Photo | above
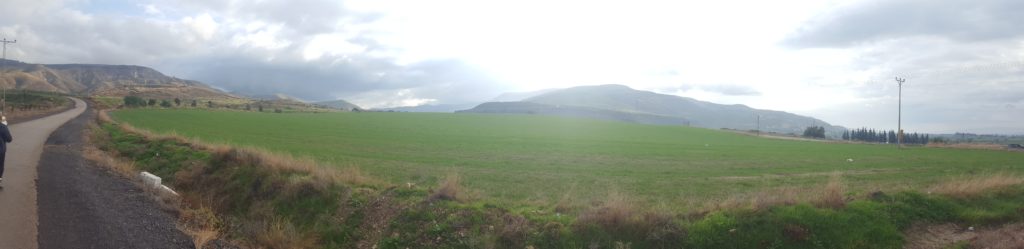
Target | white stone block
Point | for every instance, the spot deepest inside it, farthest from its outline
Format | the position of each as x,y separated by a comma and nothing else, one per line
150,180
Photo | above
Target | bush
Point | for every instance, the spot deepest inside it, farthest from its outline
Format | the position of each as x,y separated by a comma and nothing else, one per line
133,101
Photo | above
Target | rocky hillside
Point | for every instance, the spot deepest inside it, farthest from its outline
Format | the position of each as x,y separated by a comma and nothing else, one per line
104,80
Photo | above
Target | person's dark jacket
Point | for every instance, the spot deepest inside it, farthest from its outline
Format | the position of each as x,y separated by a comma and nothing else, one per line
6,135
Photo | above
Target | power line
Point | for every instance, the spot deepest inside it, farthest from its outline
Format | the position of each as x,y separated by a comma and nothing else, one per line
3,71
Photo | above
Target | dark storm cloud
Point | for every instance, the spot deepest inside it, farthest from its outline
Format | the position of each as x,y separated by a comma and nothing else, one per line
54,31
331,77
877,20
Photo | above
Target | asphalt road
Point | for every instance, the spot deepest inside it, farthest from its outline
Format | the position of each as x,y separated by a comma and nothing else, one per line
53,198
18,217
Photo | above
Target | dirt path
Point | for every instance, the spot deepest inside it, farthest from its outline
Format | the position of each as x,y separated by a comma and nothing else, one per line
18,218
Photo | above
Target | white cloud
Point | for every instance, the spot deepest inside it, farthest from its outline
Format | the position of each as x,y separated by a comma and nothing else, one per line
151,9
263,36
330,45
202,25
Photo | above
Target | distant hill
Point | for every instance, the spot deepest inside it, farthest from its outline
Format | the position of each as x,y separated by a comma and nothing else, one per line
519,96
576,111
430,108
618,102
104,80
276,96
339,104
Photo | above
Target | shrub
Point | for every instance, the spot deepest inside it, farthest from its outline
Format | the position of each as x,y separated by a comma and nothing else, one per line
133,101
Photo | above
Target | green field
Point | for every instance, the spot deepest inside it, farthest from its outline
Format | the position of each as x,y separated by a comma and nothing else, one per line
538,160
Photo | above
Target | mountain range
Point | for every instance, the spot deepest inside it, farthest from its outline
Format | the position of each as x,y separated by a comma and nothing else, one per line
339,104
103,80
621,103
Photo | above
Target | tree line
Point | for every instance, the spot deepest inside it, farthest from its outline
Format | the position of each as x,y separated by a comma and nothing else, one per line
136,101
883,136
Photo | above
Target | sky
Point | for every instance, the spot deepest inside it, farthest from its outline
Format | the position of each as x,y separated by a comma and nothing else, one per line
831,59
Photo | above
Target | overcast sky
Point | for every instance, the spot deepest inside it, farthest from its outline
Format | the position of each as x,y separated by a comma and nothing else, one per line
835,60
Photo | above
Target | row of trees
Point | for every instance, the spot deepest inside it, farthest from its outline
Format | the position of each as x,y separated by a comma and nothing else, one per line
882,136
136,101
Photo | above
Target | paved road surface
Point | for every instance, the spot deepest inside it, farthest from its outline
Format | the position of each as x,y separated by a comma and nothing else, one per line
53,198
18,217
82,205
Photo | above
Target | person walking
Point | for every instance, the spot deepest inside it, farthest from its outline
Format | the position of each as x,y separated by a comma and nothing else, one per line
5,134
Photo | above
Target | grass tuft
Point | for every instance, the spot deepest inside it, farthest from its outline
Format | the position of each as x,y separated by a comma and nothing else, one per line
972,186
833,194
449,190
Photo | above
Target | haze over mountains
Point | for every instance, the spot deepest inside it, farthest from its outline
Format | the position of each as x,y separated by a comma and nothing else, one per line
621,103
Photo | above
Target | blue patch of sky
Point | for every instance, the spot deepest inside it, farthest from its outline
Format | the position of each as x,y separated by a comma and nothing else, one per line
124,8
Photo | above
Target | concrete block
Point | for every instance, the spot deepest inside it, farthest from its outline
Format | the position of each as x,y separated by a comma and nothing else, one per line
150,180
168,190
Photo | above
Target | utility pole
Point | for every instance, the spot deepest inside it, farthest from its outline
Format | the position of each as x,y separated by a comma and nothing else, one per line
3,71
899,112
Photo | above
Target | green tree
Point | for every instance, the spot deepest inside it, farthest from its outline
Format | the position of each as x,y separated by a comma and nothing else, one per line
133,101
177,101
209,104
151,102
165,104
194,103
815,132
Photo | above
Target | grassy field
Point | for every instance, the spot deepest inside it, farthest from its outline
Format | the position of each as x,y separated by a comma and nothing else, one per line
536,160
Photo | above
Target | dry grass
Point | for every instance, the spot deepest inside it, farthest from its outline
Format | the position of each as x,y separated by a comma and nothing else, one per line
281,234
1007,236
832,195
202,237
778,197
972,186
615,212
449,190
619,215
118,166
513,232
200,224
762,200
973,146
